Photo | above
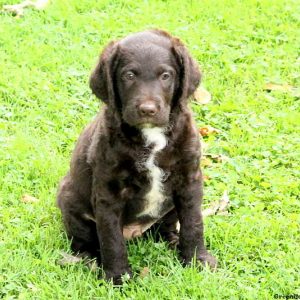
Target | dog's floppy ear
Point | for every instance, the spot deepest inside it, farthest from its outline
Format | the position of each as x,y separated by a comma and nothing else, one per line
101,81
189,74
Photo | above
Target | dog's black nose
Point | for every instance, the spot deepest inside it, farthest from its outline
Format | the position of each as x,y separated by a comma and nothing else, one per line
148,109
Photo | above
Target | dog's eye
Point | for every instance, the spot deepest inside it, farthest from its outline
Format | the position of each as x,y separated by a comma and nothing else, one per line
129,75
165,76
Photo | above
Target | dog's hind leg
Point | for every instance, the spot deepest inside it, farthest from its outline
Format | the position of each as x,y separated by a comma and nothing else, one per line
78,221
166,229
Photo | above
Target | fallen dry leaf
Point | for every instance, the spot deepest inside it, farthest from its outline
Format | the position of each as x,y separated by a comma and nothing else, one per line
219,207
207,130
202,96
18,9
15,9
69,259
32,287
223,213
41,4
215,208
29,199
204,146
278,87
205,177
93,265
205,162
144,272
215,157
224,201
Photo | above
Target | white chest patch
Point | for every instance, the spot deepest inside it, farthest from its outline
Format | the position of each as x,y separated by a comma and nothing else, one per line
155,197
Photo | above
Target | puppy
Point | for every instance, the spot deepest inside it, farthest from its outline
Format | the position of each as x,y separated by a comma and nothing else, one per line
137,163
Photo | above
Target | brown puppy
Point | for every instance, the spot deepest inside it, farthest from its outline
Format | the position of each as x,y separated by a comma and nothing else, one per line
137,163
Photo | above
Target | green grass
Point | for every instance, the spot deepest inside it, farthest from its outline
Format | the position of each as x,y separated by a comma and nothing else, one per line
45,61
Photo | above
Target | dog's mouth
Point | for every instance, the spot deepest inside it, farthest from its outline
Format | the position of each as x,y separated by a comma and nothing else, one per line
150,124
146,125
132,118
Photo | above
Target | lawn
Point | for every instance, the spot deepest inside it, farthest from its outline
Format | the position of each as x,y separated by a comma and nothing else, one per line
45,61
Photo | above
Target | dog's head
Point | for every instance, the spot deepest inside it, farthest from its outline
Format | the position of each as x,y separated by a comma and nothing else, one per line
145,77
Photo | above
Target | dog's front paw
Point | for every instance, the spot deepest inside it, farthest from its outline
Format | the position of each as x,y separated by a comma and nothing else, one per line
206,259
118,278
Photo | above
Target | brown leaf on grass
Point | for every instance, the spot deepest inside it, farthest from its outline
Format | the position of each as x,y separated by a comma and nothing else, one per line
18,9
215,157
223,213
278,87
205,162
204,146
219,207
144,272
207,130
93,265
216,208
202,96
69,259
29,199
205,177
32,287
41,4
